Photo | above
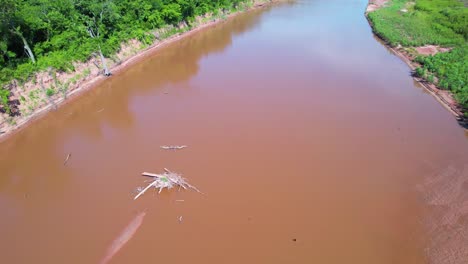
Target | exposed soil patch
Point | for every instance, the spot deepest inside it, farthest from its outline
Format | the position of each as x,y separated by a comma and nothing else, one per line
375,4
431,50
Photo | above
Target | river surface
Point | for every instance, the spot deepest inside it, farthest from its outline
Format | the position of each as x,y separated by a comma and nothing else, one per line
306,135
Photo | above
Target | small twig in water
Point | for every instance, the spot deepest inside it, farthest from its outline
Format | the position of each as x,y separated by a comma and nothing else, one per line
99,111
173,147
66,160
180,219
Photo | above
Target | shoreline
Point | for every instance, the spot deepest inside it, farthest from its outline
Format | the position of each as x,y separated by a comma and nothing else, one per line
440,189
444,97
94,82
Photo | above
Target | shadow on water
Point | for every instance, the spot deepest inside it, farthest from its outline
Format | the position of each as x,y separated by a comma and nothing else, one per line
107,106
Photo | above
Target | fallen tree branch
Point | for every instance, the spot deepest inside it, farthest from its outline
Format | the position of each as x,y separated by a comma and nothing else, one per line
168,180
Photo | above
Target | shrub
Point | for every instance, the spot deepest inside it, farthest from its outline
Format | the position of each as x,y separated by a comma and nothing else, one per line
50,92
420,72
4,95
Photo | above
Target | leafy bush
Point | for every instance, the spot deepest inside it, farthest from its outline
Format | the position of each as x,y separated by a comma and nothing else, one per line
420,72
50,92
4,94
452,70
430,78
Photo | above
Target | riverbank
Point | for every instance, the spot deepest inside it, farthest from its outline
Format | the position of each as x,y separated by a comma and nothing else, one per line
443,187
47,91
409,56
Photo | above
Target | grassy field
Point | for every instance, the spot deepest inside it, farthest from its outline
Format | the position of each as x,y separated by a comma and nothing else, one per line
437,22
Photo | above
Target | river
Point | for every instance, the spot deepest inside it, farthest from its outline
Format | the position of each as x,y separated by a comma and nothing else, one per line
308,138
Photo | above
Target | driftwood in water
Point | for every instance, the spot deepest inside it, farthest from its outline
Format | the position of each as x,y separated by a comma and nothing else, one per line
173,147
66,160
168,180
124,237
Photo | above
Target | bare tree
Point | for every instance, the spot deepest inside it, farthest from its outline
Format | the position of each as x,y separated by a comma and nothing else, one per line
94,32
28,50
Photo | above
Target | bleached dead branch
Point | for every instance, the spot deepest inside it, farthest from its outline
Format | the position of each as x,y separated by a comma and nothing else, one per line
173,147
168,180
66,160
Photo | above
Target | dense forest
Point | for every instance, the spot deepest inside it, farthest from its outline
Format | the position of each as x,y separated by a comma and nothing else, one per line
42,34
438,22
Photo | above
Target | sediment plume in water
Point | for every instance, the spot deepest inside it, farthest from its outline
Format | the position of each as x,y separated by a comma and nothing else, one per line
123,238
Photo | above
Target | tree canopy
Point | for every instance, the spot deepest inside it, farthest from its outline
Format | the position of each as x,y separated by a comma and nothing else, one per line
37,34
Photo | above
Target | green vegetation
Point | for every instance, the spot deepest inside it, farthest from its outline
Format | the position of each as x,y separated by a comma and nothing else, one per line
50,92
4,94
452,70
438,22
41,34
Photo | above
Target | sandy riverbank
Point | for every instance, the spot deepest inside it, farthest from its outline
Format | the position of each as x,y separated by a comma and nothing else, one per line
130,53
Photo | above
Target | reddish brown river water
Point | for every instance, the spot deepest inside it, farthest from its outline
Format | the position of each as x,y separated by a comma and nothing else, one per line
306,135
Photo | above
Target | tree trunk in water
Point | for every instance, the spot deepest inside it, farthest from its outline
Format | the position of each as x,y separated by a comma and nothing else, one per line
104,65
27,48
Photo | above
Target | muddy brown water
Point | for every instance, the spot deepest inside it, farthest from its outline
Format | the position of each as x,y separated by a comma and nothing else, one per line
307,136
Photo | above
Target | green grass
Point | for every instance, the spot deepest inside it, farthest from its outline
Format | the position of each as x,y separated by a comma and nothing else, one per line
437,22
